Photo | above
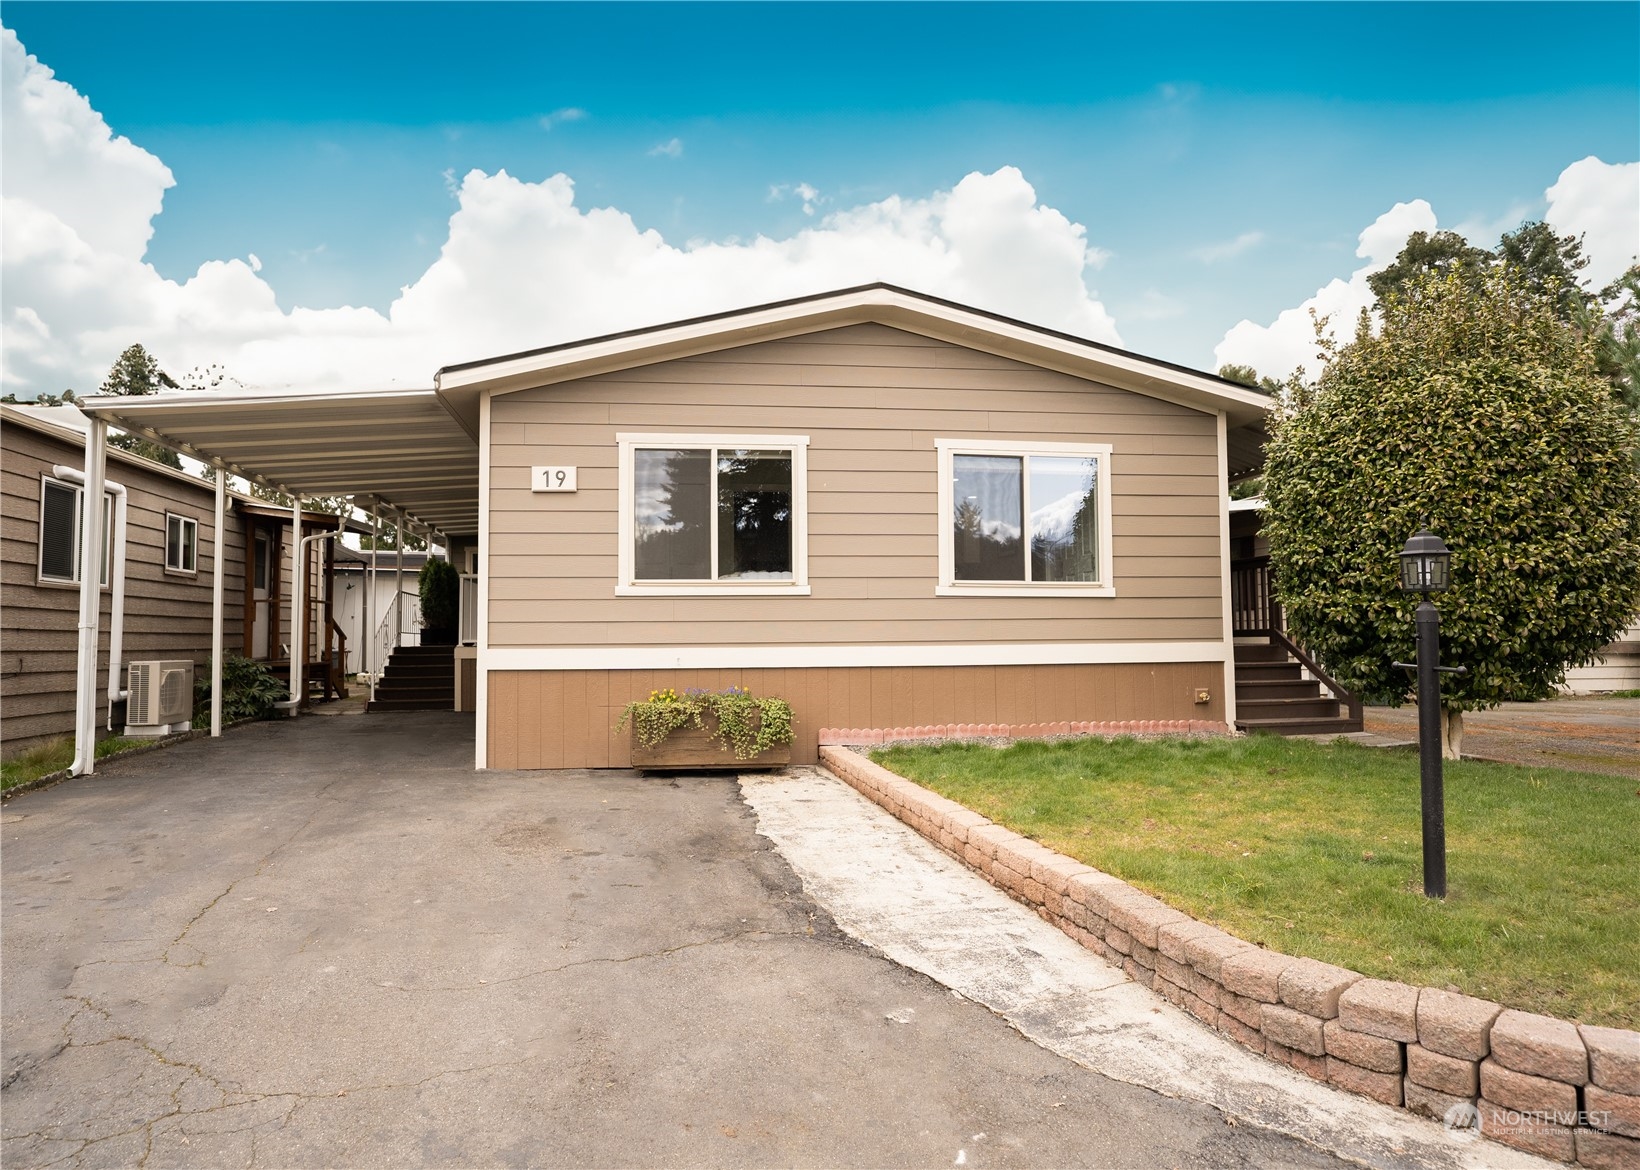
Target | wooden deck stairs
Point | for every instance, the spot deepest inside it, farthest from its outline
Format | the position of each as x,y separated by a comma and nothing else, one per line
417,678
1277,692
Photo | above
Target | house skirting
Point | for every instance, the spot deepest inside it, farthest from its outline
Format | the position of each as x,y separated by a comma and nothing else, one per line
566,718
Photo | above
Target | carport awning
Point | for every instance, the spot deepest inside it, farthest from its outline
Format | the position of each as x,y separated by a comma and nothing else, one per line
400,447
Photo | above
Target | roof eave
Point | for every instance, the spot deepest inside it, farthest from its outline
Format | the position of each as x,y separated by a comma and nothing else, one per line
462,386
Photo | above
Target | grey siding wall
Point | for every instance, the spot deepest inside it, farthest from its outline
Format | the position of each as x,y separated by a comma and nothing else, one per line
167,615
872,400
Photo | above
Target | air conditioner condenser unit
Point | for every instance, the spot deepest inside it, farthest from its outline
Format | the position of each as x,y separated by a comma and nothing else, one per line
161,697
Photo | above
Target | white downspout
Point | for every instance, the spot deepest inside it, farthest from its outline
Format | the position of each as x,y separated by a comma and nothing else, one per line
298,611
217,598
91,545
116,581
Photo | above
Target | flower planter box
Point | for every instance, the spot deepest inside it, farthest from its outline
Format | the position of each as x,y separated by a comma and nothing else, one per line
699,749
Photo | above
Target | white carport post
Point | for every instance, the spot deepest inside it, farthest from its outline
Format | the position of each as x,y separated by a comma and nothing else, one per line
216,598
298,608
367,645
398,578
90,566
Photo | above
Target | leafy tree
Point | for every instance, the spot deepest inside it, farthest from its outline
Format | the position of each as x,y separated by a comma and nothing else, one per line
1441,253
1549,264
1477,410
136,372
1248,376
1616,333
440,587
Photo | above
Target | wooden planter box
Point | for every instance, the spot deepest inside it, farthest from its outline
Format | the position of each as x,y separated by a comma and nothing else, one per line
698,749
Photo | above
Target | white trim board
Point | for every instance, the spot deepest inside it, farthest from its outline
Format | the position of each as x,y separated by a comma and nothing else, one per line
797,657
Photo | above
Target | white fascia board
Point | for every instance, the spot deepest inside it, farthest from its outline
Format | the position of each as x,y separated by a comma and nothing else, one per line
207,400
931,319
796,657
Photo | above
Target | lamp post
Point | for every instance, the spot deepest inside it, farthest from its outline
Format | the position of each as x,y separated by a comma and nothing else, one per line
1425,568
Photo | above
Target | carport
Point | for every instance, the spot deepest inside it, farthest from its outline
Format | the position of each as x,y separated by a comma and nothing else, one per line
398,453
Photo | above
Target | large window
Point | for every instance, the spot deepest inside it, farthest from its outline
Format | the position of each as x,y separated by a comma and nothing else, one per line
1024,518
181,544
713,513
60,533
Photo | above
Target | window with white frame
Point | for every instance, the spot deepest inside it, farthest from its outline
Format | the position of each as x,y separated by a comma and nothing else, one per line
181,544
1022,519
713,514
60,532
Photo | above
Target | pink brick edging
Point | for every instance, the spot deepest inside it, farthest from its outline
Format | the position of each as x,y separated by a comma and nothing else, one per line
830,736
1553,1088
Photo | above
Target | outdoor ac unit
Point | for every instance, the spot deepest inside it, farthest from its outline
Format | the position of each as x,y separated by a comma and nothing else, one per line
160,697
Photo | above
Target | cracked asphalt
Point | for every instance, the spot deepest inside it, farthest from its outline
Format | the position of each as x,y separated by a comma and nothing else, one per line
329,942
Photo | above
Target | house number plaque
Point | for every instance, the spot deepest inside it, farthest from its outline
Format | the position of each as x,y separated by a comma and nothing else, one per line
552,479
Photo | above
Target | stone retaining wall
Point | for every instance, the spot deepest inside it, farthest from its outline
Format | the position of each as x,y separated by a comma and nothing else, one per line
832,736
1540,1084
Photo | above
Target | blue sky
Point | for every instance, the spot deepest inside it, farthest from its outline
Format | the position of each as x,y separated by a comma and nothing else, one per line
1223,158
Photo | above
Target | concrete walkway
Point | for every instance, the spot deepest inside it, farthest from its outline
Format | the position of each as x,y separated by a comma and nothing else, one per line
887,886
328,942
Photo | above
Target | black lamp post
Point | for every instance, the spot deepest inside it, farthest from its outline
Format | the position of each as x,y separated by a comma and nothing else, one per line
1426,565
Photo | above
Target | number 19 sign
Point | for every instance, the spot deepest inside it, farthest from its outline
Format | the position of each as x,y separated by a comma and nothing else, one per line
552,479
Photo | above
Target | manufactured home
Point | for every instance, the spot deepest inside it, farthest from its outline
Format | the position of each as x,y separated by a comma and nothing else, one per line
890,509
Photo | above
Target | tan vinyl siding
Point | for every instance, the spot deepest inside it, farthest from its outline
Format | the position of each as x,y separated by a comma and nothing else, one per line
566,719
872,401
167,615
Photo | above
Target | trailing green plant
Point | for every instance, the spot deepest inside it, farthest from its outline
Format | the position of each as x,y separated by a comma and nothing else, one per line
249,690
440,587
743,723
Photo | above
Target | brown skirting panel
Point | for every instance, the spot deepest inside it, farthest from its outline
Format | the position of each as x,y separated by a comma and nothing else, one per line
566,718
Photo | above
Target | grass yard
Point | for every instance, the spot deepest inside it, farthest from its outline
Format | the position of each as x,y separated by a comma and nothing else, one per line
54,757
1315,850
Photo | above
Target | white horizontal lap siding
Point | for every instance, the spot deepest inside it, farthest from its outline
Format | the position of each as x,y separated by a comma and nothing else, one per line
872,401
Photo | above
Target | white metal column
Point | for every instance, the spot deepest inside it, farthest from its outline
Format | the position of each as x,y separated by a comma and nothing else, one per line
90,566
216,597
398,579
298,608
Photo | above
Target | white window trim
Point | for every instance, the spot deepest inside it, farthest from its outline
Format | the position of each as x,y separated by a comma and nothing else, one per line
798,586
949,586
40,577
180,570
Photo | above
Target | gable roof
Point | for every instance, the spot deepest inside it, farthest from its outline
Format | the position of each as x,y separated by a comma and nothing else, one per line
462,385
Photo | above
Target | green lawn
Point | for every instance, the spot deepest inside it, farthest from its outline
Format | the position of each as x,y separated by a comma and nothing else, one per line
54,757
1315,850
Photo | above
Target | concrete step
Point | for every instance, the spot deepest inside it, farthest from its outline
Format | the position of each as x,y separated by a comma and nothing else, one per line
1341,725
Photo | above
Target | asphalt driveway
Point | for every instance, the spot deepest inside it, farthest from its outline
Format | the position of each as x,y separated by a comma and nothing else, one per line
332,943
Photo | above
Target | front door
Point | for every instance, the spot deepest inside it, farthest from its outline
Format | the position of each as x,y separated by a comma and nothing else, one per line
260,594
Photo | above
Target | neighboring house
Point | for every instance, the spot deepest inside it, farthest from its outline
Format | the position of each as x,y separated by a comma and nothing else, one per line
368,649
156,566
160,533
889,509
1618,668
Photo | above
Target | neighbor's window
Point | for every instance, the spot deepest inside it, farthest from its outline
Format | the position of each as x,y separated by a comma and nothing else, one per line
60,532
710,512
181,544
1032,518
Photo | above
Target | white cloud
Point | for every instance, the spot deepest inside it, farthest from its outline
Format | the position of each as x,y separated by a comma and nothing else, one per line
1228,249
1600,202
1277,349
559,117
1597,200
809,195
671,148
522,266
